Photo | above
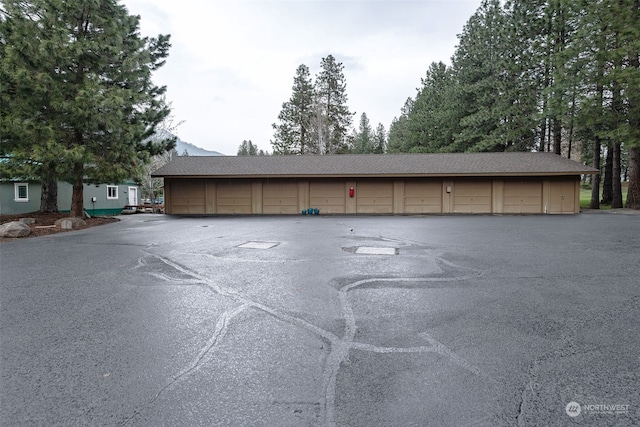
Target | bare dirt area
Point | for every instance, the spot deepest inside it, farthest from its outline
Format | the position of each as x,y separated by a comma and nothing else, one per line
44,223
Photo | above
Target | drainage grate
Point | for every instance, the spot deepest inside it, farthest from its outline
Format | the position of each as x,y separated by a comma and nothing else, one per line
258,245
369,250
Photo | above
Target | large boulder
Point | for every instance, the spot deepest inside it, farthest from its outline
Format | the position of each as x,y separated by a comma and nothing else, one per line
14,229
70,223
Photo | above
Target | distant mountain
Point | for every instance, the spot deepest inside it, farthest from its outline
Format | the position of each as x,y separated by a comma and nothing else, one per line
183,145
193,150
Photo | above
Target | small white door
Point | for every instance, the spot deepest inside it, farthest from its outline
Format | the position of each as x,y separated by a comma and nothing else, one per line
133,196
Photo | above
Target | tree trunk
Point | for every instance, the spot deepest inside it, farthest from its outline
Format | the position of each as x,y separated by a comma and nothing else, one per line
545,100
77,199
543,132
49,195
558,63
597,143
633,196
607,187
595,181
616,202
618,117
557,136
573,116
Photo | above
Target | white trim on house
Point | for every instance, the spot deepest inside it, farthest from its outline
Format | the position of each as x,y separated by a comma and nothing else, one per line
112,192
133,195
18,195
12,204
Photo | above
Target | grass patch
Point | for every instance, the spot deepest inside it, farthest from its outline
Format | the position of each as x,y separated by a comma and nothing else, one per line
585,197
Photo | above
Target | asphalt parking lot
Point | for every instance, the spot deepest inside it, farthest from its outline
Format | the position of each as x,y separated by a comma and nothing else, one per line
324,321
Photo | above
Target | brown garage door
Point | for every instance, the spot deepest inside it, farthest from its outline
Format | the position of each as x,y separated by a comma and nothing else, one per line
374,196
233,197
522,197
187,196
423,196
472,196
328,196
280,197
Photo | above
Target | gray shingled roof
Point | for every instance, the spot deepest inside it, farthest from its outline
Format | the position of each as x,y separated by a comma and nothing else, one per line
370,165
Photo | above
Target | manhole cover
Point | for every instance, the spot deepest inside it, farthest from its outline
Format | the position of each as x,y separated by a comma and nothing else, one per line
368,250
258,245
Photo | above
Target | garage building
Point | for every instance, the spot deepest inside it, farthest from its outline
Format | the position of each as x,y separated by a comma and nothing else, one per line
470,183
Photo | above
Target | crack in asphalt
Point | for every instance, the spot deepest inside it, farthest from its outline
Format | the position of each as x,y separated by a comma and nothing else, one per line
220,330
532,374
340,347
340,350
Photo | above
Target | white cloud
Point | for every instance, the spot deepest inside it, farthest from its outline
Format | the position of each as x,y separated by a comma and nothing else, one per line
232,63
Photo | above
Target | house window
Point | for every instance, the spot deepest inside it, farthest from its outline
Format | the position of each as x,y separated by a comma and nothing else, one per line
21,192
112,191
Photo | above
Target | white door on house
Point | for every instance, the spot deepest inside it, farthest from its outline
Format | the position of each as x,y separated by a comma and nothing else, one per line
133,196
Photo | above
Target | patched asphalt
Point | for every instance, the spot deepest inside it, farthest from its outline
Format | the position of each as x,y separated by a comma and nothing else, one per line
324,321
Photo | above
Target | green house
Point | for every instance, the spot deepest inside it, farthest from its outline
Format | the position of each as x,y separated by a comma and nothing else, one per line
18,197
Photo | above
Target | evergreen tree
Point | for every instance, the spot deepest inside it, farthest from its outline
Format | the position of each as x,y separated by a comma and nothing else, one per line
479,67
77,95
333,118
551,75
522,73
293,134
607,77
630,81
557,16
399,138
379,139
247,149
622,125
434,117
26,139
585,58
590,122
363,138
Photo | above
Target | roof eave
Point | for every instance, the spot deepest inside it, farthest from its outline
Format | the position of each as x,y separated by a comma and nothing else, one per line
395,175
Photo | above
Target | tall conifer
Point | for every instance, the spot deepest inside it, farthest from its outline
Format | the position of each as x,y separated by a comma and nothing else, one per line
77,92
293,133
333,117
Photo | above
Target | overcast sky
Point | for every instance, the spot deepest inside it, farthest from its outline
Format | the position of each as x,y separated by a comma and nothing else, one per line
232,62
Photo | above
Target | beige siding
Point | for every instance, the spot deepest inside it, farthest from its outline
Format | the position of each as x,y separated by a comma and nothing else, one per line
562,196
303,195
522,197
328,196
423,196
374,196
447,196
280,197
527,195
188,196
472,196
210,196
233,197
